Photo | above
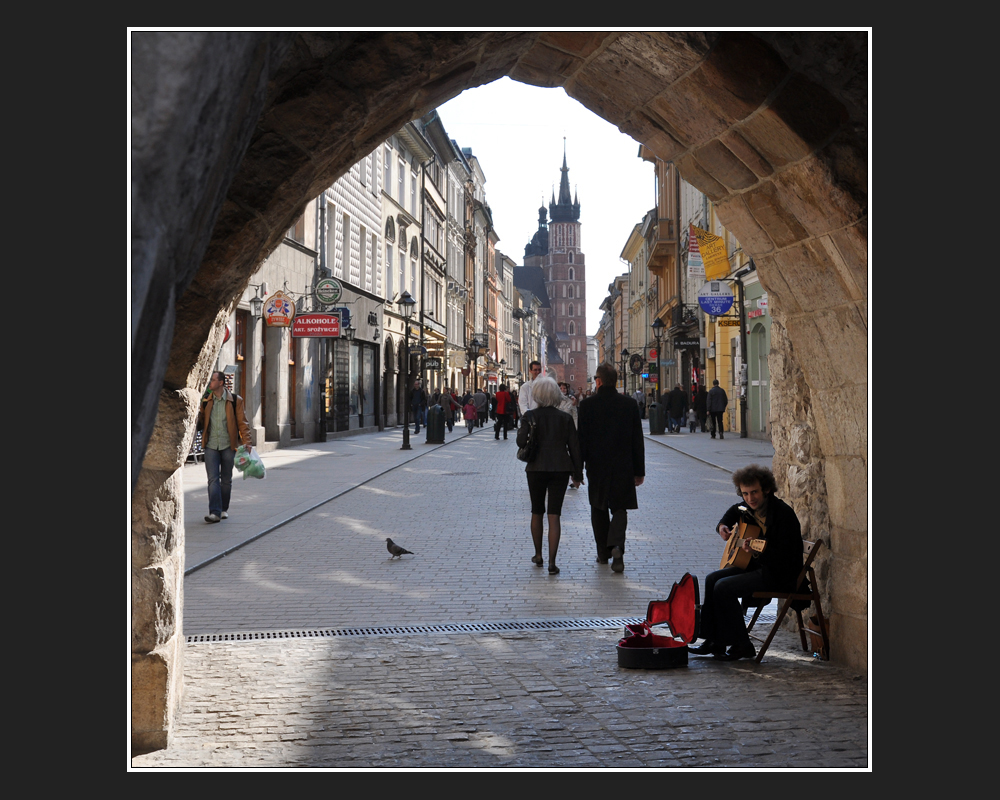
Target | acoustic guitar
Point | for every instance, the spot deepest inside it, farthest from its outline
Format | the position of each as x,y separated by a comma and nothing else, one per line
734,555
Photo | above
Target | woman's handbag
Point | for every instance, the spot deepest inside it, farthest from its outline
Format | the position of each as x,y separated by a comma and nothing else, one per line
530,449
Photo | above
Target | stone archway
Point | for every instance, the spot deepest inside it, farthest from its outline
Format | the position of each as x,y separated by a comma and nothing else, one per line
232,133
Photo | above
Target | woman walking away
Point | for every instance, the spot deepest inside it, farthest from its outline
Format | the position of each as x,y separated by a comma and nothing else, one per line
557,460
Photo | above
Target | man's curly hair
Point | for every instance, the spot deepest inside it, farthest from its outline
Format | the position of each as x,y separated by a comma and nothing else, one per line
755,473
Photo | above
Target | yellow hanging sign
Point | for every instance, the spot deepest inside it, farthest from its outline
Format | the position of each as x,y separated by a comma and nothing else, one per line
713,253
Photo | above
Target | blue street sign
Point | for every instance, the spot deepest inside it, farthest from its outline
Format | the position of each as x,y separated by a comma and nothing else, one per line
715,298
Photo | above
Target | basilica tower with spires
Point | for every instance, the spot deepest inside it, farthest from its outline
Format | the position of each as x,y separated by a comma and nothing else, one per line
556,249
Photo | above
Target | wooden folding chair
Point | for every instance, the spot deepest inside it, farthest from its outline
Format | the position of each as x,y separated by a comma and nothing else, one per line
798,601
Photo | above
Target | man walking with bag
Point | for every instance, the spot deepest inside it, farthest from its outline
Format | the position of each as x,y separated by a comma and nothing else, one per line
223,423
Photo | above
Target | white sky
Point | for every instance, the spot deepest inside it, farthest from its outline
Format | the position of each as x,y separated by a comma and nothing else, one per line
516,131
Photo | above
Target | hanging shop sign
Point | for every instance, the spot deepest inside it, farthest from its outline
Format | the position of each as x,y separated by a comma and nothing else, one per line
682,344
433,363
315,325
329,291
715,298
635,363
653,354
279,310
729,322
418,349
711,252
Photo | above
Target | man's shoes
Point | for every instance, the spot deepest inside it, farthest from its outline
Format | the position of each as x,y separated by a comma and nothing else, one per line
225,515
617,562
736,652
708,648
713,435
212,518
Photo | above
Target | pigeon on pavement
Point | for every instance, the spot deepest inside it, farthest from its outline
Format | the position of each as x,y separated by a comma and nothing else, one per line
395,549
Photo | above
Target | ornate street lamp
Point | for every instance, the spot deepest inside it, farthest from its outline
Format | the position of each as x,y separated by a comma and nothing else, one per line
474,347
406,305
624,377
658,327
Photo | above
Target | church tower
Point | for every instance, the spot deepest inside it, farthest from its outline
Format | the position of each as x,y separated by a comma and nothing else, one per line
556,249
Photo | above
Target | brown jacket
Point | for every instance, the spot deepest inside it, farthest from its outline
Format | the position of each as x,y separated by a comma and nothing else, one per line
236,422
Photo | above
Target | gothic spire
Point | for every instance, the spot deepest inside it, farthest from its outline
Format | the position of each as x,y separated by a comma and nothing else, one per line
567,209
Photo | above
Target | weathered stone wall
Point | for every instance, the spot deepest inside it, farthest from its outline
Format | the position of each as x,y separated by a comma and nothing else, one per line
158,572
233,133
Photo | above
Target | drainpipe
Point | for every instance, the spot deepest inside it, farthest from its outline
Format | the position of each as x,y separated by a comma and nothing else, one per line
743,348
423,282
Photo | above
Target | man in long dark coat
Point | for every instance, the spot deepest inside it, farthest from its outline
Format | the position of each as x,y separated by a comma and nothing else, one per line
614,454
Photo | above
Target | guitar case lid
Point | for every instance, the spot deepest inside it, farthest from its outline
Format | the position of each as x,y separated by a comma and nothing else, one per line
642,647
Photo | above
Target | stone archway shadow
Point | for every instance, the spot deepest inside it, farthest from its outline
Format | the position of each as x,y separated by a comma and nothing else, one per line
232,133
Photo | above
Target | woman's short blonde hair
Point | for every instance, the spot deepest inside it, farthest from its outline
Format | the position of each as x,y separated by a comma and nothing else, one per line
546,392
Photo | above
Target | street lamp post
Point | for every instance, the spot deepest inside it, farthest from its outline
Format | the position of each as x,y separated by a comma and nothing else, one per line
624,376
474,347
658,327
406,304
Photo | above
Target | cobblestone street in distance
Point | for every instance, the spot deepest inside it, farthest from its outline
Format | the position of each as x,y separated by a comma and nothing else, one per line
515,699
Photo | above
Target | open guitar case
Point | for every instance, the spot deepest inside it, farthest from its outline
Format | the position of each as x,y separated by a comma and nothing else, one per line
642,647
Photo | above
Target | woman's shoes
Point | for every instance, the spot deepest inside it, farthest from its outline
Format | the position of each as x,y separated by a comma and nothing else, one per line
553,569
537,560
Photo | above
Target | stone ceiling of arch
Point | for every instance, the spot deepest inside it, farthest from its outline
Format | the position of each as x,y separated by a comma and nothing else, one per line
771,127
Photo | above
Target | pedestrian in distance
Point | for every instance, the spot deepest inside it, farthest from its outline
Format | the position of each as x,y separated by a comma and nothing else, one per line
418,405
717,402
469,414
482,403
503,408
677,405
449,404
568,402
640,400
692,421
701,408
223,423
614,455
558,460
524,401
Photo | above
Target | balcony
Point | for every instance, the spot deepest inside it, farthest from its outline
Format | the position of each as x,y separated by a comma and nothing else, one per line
663,250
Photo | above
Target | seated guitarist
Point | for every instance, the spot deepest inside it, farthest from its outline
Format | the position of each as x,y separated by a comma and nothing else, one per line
774,569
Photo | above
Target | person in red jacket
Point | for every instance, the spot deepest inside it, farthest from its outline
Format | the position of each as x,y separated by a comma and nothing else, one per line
504,405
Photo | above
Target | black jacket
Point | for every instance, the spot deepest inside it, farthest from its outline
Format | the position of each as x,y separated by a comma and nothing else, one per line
781,560
613,448
558,442
677,402
717,400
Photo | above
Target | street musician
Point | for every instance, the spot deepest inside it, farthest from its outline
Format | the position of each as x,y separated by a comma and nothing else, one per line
775,568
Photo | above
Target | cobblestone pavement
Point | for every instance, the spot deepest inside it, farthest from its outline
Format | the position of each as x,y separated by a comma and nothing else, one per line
511,699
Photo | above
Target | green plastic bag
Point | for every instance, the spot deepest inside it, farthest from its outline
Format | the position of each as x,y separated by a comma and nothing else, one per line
242,459
249,463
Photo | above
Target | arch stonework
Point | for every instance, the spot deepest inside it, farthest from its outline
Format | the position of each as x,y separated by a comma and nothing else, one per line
232,133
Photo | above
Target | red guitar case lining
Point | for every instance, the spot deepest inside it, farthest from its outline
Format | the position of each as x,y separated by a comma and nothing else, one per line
642,647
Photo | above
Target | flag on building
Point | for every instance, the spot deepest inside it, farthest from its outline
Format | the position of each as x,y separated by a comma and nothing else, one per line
712,256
